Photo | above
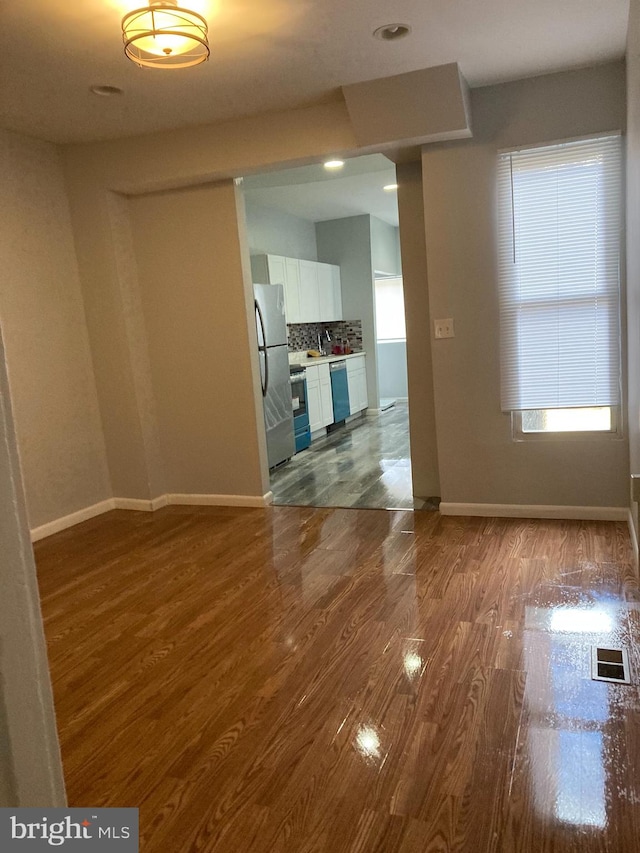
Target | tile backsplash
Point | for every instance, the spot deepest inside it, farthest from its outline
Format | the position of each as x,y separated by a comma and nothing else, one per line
304,336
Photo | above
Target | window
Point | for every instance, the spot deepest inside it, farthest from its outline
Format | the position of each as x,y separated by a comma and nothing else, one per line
389,296
559,231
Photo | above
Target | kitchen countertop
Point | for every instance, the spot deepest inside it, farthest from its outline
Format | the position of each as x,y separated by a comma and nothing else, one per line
303,358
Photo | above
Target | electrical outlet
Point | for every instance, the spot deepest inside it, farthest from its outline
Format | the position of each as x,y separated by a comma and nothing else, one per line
444,328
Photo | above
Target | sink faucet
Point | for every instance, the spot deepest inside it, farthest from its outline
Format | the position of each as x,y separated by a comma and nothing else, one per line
322,338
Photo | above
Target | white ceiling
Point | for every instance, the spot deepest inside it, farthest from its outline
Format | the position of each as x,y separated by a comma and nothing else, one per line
274,54
313,193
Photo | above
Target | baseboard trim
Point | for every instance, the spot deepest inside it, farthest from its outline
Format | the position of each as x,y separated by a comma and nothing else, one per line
585,513
218,500
634,538
71,520
138,505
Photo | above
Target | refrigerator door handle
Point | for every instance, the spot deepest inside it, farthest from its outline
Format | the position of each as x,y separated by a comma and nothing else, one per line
263,348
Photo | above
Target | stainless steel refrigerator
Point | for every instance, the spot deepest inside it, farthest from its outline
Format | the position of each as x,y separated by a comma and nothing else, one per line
271,326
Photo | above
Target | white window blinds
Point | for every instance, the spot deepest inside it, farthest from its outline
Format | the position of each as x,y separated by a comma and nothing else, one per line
559,231
389,299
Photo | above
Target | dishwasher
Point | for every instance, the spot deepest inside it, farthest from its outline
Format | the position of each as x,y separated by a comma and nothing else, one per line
339,391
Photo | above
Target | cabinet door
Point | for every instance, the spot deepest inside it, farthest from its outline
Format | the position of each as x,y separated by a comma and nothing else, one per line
354,391
326,397
336,286
292,289
357,382
277,269
309,297
325,293
363,397
314,405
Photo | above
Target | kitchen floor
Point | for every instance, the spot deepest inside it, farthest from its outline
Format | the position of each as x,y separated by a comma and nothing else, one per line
365,464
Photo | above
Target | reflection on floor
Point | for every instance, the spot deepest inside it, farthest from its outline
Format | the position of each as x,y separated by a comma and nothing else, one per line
299,680
366,463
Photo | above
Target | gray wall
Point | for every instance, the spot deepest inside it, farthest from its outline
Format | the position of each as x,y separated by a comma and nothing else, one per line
347,242
633,241
392,369
50,367
272,232
385,247
479,461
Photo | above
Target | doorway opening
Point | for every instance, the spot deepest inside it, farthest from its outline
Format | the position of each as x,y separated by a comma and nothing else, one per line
391,340
318,242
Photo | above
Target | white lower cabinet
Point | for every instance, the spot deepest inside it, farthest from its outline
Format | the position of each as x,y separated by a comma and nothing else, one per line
357,383
314,404
326,397
319,397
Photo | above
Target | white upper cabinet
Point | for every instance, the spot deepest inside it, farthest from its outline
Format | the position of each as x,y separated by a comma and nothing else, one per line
309,295
292,289
277,269
312,291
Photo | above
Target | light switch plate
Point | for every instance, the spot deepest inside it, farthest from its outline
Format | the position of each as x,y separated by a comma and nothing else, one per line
444,328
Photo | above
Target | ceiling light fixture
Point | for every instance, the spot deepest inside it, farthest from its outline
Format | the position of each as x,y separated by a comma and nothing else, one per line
334,164
391,32
163,35
389,188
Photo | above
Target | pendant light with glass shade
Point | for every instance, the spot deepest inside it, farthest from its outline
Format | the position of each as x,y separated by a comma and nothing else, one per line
164,35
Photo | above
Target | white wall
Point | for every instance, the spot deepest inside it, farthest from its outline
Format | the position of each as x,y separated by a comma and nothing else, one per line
50,367
479,461
633,241
272,232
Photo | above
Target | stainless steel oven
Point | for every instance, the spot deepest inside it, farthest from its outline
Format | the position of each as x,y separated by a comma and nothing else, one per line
298,390
301,429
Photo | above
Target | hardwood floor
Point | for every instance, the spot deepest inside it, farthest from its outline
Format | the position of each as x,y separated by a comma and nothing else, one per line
348,681
366,463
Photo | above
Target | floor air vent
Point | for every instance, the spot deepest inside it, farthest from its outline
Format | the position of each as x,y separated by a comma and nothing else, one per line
610,665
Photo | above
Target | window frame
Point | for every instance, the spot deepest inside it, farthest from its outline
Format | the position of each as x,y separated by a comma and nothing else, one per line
381,277
617,431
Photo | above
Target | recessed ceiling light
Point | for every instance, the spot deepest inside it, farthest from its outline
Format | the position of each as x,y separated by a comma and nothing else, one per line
334,164
389,188
390,32
106,91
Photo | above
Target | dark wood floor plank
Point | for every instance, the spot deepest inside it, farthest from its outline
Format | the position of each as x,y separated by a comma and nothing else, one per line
303,680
